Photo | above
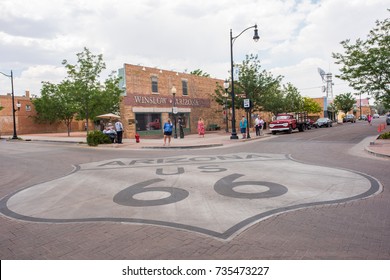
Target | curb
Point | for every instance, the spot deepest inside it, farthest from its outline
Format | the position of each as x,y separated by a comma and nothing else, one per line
368,150
54,141
183,147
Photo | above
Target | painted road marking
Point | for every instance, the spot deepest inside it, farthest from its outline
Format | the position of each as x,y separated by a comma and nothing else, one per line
216,195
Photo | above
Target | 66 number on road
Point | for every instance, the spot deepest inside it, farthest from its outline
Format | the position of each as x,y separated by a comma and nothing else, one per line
224,186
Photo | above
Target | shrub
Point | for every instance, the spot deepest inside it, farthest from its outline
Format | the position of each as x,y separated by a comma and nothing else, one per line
385,135
97,137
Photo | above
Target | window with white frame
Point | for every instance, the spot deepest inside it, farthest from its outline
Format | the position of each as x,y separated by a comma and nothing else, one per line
184,84
154,84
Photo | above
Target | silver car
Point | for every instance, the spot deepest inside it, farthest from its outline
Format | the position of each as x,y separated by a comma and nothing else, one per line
323,122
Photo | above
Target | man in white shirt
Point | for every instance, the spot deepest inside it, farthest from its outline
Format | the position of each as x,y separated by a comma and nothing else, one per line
257,125
119,131
261,126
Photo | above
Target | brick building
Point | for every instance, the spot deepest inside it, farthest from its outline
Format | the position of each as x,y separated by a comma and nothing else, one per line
148,101
24,117
362,107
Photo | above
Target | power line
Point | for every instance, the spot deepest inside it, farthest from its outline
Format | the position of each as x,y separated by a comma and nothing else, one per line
319,86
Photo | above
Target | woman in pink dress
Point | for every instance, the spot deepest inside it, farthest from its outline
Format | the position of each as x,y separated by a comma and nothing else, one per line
200,127
369,119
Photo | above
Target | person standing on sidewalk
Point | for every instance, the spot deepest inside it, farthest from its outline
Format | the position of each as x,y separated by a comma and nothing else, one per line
119,131
261,126
167,131
257,125
243,126
201,127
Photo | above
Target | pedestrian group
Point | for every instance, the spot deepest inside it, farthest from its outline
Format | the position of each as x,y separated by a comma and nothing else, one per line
115,134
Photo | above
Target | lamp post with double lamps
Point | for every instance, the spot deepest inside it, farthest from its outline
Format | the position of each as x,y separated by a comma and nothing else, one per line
226,86
174,109
232,40
13,102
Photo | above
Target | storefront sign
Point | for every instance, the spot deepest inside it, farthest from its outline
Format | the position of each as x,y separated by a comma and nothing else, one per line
157,101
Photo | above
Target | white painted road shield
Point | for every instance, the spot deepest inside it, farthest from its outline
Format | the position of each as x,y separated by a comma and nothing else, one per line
215,195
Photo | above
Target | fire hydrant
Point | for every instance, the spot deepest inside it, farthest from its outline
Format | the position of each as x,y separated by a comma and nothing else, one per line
137,138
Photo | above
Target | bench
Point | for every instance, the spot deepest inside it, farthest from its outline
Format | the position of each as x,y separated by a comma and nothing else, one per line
213,126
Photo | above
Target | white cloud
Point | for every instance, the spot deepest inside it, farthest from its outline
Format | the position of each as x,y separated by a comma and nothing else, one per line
297,36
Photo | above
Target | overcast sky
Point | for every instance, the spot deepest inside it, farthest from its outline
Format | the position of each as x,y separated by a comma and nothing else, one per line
296,36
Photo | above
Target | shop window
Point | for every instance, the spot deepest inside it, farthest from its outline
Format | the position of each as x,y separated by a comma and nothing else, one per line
184,84
154,84
148,121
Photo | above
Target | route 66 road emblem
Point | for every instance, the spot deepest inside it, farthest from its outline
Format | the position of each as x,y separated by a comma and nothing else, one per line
217,195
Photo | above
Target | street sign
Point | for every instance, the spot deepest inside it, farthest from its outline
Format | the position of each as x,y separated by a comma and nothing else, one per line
236,73
175,110
247,103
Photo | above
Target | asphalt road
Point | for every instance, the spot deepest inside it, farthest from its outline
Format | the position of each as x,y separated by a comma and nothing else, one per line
347,229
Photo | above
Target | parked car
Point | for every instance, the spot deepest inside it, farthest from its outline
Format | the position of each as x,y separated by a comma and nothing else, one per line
323,122
349,118
363,117
388,119
309,123
375,116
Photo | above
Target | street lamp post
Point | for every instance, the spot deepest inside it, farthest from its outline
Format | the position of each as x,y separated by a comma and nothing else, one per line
232,40
226,86
248,119
13,102
174,109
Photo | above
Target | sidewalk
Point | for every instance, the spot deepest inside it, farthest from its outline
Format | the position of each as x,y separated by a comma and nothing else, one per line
378,147
211,139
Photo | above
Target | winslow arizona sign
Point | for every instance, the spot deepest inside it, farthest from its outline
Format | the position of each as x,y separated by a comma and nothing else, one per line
216,195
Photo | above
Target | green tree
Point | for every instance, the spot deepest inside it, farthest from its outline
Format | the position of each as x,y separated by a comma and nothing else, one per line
344,102
283,99
46,105
255,83
56,104
274,101
310,106
293,101
81,95
90,96
199,72
381,108
262,88
365,64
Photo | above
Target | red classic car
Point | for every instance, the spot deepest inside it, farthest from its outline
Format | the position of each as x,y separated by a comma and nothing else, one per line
154,125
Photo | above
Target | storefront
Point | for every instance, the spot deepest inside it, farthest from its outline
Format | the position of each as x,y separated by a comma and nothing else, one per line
151,96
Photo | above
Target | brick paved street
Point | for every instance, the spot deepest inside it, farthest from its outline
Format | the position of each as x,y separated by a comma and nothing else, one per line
356,229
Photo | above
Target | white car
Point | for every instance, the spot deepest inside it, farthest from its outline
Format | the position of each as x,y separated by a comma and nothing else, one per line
375,116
